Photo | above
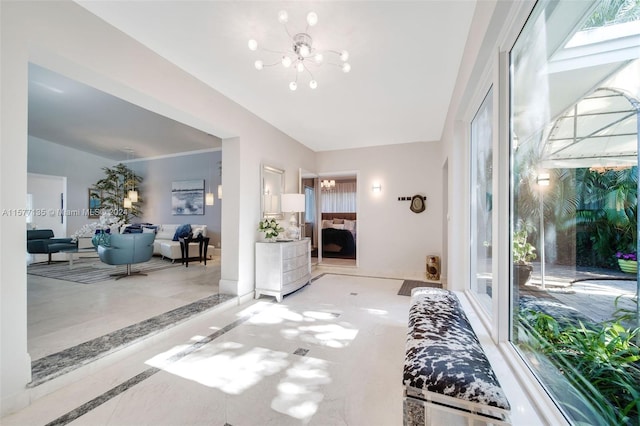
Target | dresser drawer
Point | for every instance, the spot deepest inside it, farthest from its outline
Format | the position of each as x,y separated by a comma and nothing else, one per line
295,274
294,250
294,263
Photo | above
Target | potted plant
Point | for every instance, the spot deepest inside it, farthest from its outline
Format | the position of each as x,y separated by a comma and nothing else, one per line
271,229
628,262
523,254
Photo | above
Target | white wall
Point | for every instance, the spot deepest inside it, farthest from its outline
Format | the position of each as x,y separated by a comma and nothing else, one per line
478,52
392,240
67,39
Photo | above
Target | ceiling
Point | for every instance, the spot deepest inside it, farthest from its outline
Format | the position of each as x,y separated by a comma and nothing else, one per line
404,56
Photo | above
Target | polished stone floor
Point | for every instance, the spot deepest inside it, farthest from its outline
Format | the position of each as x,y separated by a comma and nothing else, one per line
330,354
61,314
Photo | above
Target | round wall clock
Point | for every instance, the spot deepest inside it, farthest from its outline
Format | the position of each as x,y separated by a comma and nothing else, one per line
417,204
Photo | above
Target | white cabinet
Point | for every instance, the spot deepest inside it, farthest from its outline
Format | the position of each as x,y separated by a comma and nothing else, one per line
282,267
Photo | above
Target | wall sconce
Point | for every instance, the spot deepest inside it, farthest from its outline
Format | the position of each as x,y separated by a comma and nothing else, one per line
220,192
543,179
376,187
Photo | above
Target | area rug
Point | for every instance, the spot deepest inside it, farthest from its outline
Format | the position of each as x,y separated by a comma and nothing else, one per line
90,271
408,285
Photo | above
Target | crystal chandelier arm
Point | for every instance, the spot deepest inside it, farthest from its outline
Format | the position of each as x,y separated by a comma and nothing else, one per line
310,73
279,52
271,65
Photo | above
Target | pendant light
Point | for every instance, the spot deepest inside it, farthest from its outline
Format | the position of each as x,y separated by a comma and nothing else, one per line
209,198
133,193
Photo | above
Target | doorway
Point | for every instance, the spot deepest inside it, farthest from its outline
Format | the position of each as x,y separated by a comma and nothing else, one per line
46,201
337,221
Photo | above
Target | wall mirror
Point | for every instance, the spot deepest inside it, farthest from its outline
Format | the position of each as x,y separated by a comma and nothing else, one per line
272,180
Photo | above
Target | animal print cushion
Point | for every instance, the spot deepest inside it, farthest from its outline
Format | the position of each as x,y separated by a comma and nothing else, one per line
443,354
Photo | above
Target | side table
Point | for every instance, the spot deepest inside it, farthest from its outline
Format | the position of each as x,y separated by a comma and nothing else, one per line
203,245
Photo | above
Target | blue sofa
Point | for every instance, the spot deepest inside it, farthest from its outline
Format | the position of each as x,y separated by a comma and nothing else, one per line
42,241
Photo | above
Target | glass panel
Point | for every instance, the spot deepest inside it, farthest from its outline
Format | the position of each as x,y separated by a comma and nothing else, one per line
482,202
574,127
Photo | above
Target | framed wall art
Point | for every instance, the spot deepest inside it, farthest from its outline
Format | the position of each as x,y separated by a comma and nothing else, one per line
187,197
95,203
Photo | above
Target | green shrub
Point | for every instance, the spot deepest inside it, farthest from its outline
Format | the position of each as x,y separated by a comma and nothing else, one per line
600,360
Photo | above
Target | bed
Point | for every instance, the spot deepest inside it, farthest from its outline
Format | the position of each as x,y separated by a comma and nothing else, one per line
339,235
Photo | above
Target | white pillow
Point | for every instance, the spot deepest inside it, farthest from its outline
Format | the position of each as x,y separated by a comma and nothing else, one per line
197,231
350,225
146,230
338,226
327,224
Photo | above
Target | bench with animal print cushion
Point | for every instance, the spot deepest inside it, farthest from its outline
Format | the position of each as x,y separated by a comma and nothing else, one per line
445,368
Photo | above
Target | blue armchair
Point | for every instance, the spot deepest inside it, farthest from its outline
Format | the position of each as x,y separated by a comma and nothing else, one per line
41,241
127,249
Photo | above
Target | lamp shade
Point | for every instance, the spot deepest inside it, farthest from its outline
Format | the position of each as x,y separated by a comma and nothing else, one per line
209,200
293,202
133,196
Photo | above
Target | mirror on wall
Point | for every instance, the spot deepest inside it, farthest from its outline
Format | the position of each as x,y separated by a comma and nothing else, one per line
272,180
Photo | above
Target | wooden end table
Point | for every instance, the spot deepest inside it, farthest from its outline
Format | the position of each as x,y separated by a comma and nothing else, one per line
203,245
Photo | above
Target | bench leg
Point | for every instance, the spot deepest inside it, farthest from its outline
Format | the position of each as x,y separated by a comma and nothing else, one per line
413,413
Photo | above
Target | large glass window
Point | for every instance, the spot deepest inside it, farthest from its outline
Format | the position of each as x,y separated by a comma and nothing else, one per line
575,91
482,202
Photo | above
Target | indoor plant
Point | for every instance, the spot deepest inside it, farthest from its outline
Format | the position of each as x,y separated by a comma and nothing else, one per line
98,229
271,229
523,254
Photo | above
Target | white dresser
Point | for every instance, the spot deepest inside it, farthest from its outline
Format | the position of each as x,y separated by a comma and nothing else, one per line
282,267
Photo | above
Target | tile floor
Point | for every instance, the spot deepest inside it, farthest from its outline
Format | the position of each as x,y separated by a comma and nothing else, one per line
61,314
329,354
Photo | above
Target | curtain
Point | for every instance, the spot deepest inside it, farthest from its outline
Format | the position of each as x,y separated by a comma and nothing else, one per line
340,199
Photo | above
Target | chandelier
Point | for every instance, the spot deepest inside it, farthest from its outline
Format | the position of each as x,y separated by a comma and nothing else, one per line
302,56
327,184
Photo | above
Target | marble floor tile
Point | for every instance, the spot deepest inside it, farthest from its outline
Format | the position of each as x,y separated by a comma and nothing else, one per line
243,366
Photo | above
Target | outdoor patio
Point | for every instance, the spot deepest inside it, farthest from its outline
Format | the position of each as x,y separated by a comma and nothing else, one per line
591,291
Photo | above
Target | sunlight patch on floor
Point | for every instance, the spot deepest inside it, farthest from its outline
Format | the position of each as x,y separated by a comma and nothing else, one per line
299,393
230,367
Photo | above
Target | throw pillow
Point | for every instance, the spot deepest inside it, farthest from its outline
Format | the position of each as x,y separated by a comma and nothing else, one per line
182,231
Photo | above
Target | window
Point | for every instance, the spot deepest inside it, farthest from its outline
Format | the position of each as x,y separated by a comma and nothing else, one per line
310,204
482,202
575,91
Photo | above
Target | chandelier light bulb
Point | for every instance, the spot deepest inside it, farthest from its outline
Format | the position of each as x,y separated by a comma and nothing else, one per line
318,58
286,61
346,67
312,19
253,45
304,50
300,66
293,86
344,55
283,17
313,84
258,64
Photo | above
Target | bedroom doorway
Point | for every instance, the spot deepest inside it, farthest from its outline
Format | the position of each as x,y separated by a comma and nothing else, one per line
338,218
